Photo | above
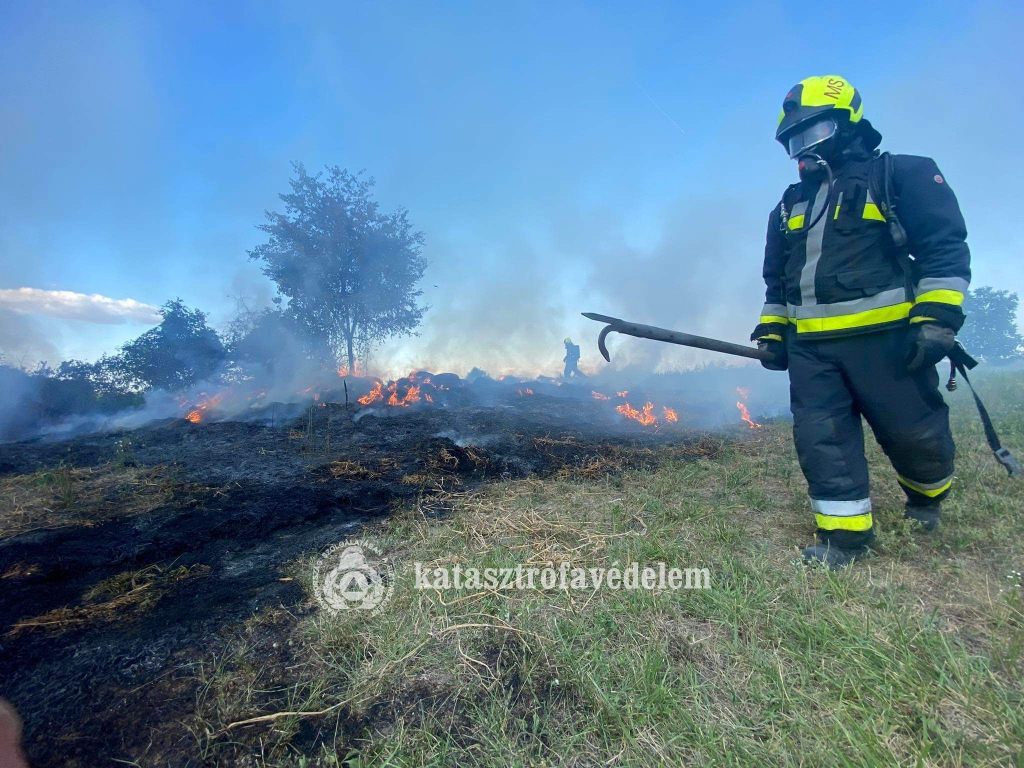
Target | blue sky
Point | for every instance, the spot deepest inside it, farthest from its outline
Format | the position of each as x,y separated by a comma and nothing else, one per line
560,157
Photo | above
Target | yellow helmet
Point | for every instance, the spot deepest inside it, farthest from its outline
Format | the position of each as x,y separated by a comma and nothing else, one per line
568,340
830,95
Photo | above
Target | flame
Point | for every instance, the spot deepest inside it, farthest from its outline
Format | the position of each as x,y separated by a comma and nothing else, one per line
670,414
623,393
428,398
198,412
744,413
645,417
342,372
412,395
599,396
526,391
373,395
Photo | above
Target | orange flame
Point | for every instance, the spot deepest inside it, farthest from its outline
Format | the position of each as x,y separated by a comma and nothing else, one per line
342,372
623,393
670,414
645,417
599,396
196,414
526,391
744,413
373,395
412,395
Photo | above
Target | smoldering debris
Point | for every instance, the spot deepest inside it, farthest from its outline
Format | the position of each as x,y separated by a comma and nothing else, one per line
704,399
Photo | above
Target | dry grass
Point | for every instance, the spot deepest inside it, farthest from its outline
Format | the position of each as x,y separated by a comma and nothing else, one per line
915,657
66,496
351,470
121,597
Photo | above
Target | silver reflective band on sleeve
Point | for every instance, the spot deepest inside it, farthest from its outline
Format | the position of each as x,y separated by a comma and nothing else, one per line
774,310
841,508
941,284
813,247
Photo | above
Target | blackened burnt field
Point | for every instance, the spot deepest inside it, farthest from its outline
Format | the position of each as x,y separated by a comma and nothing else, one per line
127,557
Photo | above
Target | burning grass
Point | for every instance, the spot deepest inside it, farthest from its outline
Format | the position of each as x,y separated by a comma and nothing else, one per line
915,657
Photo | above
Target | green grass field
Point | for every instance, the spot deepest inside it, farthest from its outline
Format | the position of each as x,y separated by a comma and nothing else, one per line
914,657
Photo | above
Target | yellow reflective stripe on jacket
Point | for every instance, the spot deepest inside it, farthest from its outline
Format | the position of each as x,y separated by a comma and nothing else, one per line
927,489
834,523
774,319
796,222
922,319
942,296
871,211
772,336
856,320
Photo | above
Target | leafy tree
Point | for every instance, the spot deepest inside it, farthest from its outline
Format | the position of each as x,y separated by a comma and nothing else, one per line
176,354
348,270
990,331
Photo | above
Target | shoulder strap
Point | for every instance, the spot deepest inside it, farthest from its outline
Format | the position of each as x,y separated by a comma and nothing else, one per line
960,361
786,207
880,184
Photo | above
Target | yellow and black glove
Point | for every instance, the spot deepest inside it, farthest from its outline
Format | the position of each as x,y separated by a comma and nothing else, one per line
771,337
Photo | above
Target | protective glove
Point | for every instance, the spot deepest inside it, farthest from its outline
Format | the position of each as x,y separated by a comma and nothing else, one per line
769,336
778,348
927,344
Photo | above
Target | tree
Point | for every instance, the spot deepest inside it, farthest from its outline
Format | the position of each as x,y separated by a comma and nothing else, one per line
348,270
261,338
990,331
179,352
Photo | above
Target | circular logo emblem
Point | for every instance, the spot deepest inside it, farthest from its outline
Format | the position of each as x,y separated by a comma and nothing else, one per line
353,575
938,179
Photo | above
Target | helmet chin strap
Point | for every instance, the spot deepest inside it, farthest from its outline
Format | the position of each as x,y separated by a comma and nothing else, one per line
813,167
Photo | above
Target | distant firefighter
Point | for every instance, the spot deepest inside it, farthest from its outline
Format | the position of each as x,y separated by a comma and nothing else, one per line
572,356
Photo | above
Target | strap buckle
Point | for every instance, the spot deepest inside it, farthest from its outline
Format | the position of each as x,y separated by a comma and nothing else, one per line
1008,460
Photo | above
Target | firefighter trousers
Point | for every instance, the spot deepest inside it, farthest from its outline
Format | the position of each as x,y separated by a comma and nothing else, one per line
833,383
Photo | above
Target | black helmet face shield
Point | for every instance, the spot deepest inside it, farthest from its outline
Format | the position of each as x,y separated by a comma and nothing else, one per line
810,136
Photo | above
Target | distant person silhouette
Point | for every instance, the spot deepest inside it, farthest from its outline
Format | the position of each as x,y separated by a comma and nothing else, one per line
572,357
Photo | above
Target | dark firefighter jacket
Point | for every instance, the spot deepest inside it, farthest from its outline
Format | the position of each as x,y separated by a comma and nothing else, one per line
844,275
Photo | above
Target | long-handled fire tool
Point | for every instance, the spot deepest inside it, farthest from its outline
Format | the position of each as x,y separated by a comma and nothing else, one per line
615,325
960,362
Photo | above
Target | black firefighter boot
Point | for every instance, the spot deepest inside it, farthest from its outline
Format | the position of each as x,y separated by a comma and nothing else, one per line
927,516
838,549
832,556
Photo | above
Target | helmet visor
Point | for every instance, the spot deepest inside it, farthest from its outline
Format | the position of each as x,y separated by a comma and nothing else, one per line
810,135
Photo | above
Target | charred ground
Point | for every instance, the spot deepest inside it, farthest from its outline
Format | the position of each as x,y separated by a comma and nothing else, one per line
127,557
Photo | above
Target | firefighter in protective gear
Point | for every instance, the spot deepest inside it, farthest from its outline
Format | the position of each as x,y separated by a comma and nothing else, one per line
572,357
866,267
